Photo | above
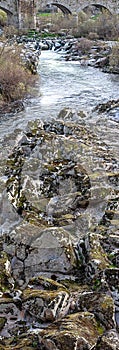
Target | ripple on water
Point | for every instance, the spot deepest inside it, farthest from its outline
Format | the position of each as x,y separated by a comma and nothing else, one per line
63,84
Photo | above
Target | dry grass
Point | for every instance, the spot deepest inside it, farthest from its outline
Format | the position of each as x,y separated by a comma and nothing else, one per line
103,26
114,57
15,79
55,22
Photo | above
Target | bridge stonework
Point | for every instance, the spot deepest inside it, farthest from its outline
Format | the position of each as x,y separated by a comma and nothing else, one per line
22,13
11,7
79,5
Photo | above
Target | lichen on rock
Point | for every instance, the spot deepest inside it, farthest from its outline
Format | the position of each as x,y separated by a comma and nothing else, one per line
58,277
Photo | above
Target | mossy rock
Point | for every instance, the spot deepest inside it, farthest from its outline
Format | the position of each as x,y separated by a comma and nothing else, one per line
24,341
46,283
69,330
97,253
2,322
33,293
5,272
101,305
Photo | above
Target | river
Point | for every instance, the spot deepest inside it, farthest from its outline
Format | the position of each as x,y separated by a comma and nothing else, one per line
61,85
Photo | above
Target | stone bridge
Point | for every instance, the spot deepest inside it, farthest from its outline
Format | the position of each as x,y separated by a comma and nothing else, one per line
22,13
70,6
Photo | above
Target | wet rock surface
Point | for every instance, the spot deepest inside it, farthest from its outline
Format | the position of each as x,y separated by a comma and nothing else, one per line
11,108
30,55
94,53
59,278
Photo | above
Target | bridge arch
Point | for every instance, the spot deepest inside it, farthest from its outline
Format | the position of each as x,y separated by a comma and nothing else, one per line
6,10
10,15
62,7
11,8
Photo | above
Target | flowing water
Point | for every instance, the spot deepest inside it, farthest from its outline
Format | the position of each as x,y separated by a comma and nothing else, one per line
61,85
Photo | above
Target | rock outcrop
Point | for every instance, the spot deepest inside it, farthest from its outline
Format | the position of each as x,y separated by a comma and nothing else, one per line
59,263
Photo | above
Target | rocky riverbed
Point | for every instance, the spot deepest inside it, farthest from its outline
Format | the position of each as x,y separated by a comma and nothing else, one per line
59,281
94,53
59,243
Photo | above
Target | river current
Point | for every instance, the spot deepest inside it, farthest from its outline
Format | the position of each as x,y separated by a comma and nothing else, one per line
63,84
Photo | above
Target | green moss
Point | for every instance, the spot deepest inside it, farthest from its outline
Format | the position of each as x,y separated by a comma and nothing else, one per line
4,272
47,283
51,35
21,202
100,329
107,303
72,327
96,284
45,295
35,344
112,266
95,17
73,286
2,322
97,253
44,14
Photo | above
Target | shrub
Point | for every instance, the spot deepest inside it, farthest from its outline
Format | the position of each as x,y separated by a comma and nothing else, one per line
82,16
104,26
85,45
93,36
85,28
114,57
56,22
9,32
15,79
107,26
